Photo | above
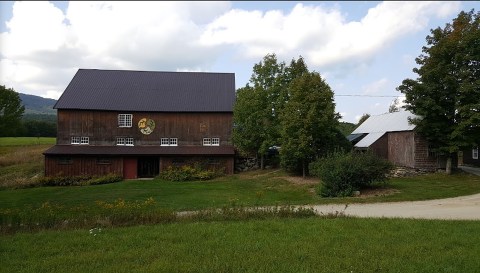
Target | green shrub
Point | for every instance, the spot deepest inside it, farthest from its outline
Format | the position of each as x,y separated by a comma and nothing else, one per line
80,180
106,179
342,173
188,173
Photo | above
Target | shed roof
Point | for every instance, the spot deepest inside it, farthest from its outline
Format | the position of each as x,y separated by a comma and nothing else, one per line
150,91
376,126
389,122
369,140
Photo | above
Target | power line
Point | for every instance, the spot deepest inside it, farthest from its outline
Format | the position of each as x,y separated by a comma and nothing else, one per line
372,96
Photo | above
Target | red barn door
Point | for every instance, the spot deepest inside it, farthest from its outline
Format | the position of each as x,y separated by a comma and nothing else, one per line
129,168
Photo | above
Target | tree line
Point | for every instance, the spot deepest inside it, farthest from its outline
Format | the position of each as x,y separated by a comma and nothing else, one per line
12,121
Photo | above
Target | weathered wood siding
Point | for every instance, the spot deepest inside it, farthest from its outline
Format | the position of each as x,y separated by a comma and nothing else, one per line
424,159
401,148
102,127
468,158
380,147
79,165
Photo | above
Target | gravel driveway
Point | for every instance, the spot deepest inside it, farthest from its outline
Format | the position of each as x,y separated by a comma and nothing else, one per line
460,208
456,208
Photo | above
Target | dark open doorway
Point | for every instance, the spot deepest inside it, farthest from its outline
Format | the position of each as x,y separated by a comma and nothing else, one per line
148,167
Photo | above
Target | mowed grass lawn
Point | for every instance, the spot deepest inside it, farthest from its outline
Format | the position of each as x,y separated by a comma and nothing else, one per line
274,245
258,188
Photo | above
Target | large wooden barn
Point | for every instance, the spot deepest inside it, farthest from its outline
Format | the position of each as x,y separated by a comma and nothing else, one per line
137,123
391,136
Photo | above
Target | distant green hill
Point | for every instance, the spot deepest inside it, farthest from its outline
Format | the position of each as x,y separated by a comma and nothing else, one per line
37,105
346,128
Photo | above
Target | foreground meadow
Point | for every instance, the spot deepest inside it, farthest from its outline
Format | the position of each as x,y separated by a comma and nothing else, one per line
269,245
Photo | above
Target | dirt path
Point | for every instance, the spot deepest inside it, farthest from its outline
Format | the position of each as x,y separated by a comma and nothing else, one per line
459,208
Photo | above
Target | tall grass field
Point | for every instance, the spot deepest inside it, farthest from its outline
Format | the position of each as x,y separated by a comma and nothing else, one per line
21,160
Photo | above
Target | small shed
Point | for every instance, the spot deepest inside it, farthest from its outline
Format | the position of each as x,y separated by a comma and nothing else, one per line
391,136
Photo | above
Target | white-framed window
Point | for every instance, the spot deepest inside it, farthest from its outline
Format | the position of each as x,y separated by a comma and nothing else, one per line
165,141
475,153
125,120
75,140
214,141
84,140
125,141
207,141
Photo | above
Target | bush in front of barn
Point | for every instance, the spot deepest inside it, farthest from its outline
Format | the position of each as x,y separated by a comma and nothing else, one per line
343,173
188,173
79,180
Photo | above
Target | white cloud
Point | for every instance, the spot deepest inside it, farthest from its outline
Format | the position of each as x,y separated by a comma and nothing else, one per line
322,36
44,46
375,87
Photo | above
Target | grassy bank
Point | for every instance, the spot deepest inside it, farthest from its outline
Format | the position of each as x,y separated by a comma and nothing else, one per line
153,201
21,165
26,141
21,160
247,190
276,245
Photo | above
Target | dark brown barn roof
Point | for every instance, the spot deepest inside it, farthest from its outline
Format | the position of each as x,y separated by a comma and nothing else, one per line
124,90
139,150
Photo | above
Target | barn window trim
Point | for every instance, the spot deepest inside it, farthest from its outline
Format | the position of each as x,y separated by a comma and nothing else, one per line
80,140
84,140
165,141
475,153
125,141
214,141
125,120
75,140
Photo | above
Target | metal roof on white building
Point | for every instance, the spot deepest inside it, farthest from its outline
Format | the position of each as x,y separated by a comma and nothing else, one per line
369,140
376,126
389,122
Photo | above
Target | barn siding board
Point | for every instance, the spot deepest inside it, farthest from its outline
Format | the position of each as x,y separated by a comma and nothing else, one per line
468,158
424,160
380,147
401,148
102,127
81,166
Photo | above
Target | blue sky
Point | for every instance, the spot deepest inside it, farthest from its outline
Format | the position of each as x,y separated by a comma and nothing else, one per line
363,49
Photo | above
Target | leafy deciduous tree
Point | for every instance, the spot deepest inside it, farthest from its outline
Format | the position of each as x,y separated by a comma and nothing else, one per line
255,112
446,94
309,122
11,111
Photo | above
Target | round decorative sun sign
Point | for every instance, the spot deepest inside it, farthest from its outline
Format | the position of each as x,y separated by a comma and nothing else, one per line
146,126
